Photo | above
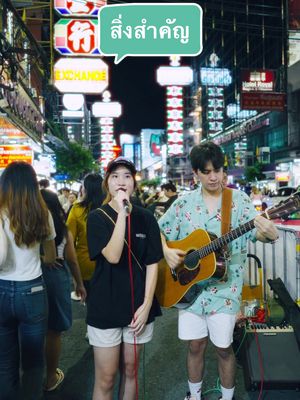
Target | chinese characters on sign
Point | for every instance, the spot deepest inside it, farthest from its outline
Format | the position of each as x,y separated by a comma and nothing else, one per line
76,37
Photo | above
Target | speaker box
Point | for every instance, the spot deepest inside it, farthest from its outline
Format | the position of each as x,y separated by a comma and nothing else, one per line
280,358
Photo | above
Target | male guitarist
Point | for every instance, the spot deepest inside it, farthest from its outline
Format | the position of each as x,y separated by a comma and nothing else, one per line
214,311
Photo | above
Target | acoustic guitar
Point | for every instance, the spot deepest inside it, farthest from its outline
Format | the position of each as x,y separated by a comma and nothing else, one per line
204,260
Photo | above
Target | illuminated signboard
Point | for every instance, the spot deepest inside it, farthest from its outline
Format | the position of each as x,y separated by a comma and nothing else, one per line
10,153
84,76
107,141
9,131
263,101
180,76
175,120
76,37
234,111
258,81
151,144
80,8
215,76
110,109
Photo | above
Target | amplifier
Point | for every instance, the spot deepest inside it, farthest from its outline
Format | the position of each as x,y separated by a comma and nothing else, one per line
280,357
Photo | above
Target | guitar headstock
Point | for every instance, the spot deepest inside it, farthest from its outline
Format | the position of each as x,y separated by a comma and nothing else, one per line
285,207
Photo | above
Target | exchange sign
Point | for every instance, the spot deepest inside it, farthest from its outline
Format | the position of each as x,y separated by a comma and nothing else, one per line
87,76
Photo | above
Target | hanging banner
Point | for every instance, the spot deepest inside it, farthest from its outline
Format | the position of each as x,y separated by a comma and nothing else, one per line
263,101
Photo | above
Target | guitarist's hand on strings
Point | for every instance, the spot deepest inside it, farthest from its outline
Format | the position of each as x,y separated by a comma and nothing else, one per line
266,230
174,257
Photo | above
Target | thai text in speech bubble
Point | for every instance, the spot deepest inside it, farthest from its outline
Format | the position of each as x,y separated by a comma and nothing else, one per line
147,29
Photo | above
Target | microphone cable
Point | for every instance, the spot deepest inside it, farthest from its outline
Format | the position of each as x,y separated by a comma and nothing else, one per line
132,306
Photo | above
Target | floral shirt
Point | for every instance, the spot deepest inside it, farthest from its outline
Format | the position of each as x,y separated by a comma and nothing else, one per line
189,213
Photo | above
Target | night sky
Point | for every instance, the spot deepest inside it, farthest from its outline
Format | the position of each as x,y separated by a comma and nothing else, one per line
133,84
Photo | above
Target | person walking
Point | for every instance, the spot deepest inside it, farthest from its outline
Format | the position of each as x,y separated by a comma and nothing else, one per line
28,225
213,312
76,223
57,280
124,240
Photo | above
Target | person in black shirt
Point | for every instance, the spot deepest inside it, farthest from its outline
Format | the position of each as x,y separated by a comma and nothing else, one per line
170,192
121,307
160,207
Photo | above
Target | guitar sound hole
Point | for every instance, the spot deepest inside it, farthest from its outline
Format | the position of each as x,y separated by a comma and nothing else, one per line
185,276
191,259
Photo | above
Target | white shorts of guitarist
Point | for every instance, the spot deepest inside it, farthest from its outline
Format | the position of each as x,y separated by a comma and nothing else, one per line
219,327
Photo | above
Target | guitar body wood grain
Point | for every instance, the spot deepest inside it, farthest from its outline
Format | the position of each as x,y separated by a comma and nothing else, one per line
168,290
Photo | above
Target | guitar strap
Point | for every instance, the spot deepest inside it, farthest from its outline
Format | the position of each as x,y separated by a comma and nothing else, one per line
226,211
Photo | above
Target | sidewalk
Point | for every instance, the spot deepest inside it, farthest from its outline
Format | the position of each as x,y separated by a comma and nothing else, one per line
162,369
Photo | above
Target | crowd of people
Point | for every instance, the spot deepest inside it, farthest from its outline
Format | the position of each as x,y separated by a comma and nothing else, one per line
111,239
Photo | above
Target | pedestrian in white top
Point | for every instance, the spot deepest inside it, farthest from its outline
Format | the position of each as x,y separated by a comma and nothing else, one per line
29,227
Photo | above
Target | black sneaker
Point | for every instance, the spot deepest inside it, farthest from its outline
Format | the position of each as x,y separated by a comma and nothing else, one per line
221,398
190,397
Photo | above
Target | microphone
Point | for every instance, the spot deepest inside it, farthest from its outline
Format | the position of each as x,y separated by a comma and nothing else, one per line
126,205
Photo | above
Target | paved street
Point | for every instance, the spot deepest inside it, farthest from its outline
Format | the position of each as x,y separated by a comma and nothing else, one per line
162,373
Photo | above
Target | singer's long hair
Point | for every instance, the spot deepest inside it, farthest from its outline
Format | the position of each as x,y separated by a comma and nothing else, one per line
108,196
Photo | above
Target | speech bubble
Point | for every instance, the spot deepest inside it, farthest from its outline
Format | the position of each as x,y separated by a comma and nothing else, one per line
147,29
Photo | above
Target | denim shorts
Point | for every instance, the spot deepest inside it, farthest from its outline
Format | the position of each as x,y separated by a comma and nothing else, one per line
58,285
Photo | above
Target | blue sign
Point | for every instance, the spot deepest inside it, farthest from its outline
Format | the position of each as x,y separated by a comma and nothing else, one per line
61,177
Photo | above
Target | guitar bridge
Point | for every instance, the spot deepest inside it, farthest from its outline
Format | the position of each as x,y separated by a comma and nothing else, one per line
185,276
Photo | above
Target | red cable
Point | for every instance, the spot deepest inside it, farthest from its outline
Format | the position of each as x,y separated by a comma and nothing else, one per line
261,368
132,306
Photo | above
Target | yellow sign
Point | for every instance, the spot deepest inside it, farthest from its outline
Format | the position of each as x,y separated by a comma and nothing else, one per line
90,75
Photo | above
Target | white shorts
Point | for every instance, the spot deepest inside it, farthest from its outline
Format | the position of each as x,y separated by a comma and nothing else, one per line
219,327
113,337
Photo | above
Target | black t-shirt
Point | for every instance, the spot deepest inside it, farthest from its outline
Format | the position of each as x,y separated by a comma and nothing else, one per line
109,303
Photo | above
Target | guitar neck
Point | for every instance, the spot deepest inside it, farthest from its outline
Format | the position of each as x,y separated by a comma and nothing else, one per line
222,241
284,208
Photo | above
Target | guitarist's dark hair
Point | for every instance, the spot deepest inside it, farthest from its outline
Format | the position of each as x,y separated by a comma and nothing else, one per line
201,154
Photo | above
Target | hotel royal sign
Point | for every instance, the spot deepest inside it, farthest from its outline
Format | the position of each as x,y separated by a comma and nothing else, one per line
87,76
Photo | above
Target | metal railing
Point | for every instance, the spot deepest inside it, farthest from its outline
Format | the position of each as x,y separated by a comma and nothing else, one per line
279,260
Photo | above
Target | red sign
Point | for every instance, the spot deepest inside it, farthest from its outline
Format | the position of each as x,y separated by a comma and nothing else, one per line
263,101
9,131
259,80
81,36
10,153
80,8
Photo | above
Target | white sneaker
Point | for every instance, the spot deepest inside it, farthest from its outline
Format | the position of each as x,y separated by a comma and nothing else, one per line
75,297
